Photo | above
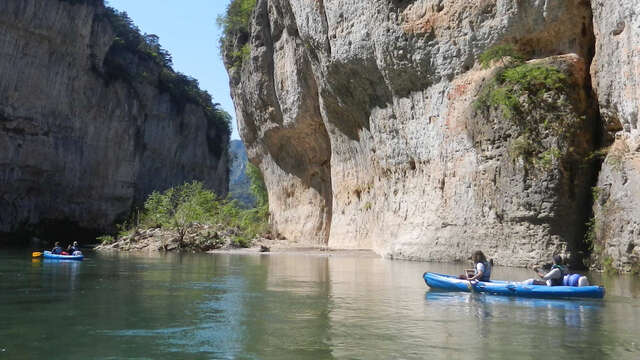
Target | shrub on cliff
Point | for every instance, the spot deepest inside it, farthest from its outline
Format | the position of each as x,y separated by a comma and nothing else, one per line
235,31
533,97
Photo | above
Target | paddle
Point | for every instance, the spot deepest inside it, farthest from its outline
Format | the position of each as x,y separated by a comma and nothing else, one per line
36,254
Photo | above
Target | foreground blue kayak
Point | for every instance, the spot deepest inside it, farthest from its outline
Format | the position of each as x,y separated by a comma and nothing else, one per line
49,255
452,283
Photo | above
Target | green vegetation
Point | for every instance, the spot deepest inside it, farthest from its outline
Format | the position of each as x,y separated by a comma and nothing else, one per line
180,208
129,37
154,65
106,239
599,154
590,235
257,188
532,97
595,193
505,53
234,41
607,265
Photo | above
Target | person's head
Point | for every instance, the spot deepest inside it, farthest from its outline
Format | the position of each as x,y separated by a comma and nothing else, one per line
557,260
478,257
57,243
75,243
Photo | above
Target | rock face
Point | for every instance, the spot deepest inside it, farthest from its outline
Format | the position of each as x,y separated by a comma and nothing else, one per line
80,146
363,117
616,80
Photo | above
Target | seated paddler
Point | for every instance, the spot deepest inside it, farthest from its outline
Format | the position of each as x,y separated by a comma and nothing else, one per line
481,270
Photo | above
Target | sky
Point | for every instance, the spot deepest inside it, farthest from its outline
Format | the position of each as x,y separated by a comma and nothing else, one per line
188,30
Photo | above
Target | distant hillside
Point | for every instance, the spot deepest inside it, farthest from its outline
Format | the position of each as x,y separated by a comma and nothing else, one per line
238,180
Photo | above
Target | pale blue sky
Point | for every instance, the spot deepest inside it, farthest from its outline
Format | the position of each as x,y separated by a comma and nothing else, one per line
188,30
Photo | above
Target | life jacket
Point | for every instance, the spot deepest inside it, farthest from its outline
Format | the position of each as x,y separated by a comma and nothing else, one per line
571,280
563,271
486,275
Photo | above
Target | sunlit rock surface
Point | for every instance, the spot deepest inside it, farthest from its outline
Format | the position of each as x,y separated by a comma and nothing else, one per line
616,79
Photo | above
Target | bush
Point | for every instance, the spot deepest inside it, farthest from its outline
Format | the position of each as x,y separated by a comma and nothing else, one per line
257,187
519,91
129,37
106,239
181,207
235,31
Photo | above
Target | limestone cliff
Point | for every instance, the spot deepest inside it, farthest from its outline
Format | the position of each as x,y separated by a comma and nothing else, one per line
616,79
364,117
84,139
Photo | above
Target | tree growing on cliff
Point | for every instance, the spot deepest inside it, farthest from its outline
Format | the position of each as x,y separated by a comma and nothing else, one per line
234,42
257,187
183,89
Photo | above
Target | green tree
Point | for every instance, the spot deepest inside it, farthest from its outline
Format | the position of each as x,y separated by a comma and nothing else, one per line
257,187
234,40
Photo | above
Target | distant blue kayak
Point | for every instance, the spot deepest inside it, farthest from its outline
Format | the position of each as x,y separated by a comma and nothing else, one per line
452,283
49,255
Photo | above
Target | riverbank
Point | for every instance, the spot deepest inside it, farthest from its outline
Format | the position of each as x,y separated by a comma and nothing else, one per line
218,240
195,238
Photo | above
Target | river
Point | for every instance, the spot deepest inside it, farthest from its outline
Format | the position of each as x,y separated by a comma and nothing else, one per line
292,306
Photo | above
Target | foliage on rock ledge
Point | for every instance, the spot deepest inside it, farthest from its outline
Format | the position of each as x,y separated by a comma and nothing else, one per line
534,98
234,41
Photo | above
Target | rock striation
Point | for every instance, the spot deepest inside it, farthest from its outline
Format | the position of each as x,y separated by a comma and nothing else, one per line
364,118
82,146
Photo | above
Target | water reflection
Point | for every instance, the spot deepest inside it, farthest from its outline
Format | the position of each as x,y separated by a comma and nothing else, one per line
292,306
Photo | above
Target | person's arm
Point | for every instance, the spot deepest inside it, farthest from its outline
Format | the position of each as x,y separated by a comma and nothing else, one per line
553,274
479,272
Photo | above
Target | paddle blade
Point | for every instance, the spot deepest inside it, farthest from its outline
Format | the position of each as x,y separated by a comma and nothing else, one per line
36,254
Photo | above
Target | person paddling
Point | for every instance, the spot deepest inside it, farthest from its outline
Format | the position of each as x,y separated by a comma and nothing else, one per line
482,268
554,277
75,249
56,248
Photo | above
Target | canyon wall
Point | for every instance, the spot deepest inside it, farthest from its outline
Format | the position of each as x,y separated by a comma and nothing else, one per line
371,122
81,144
616,78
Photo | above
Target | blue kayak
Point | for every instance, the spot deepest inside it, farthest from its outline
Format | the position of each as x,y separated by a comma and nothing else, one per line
452,283
49,255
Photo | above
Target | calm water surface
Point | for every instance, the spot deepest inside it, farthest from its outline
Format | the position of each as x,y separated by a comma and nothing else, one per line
292,307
